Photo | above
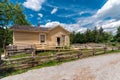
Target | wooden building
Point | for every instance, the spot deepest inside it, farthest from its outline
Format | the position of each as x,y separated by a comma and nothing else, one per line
40,37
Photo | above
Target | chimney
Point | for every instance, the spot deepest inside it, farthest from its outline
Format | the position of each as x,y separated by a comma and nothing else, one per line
38,23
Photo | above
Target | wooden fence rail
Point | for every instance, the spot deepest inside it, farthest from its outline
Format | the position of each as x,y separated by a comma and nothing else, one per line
27,62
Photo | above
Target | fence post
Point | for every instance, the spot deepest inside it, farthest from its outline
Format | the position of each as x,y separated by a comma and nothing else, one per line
94,51
112,48
33,54
118,47
32,62
59,58
33,50
105,49
79,53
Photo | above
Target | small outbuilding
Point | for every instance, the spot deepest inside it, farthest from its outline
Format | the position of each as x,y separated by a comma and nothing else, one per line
40,37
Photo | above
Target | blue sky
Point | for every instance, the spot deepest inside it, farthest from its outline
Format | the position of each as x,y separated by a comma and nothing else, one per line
74,15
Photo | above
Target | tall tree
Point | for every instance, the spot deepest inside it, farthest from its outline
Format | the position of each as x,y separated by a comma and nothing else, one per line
117,37
72,37
100,34
19,18
95,33
96,36
10,14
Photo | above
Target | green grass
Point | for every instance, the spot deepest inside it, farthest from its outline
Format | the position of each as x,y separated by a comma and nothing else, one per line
46,53
14,72
21,55
114,51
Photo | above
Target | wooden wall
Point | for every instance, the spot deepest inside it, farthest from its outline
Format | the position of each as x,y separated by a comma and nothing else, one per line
30,38
20,37
58,32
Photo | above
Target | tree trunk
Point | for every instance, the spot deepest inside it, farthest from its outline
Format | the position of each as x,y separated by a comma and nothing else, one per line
0,56
4,42
4,47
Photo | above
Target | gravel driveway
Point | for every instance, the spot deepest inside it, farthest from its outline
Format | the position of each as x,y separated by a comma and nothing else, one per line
104,67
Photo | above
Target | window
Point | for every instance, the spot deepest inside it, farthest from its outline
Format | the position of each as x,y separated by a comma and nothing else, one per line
42,38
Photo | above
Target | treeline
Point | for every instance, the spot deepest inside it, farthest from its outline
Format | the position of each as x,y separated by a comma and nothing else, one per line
95,36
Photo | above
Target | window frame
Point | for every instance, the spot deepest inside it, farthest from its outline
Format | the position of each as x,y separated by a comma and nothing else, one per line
41,38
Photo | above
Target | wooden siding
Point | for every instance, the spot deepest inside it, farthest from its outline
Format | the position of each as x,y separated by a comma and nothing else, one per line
25,38
58,32
33,38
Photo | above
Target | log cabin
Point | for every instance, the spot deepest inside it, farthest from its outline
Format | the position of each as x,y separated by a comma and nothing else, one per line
41,37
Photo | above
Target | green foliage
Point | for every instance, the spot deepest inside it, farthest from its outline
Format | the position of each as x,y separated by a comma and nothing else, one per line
8,36
19,17
117,36
96,36
10,14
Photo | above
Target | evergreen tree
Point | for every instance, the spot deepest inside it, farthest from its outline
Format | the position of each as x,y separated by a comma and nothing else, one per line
95,36
117,37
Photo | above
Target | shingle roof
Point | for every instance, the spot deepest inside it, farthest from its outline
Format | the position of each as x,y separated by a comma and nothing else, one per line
29,28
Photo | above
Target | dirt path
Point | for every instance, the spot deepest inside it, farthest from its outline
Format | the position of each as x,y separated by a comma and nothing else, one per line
104,67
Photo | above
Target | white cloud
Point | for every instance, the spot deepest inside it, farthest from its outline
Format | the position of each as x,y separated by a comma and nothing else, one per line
35,5
69,27
82,30
31,15
111,25
54,10
39,14
52,24
110,9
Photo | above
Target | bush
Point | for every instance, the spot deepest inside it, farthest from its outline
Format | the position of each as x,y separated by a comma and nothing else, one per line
1,50
66,47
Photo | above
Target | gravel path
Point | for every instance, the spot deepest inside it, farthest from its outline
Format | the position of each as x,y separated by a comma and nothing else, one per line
104,67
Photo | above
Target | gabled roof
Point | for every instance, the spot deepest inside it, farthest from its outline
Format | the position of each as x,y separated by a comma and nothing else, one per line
59,27
28,28
31,28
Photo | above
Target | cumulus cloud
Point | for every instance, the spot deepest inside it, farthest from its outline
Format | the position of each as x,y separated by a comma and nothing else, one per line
110,9
52,24
69,27
111,25
35,5
39,14
82,30
54,11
